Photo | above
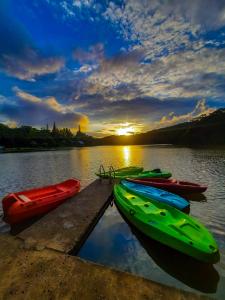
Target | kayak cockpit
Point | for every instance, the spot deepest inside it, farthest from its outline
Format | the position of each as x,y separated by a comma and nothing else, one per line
24,198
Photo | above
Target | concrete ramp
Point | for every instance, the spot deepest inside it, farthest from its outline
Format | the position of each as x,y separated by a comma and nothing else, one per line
67,226
29,274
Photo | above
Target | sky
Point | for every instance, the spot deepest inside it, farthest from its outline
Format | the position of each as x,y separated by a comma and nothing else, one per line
118,66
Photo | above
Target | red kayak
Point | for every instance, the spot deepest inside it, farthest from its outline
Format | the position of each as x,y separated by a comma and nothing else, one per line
171,185
23,205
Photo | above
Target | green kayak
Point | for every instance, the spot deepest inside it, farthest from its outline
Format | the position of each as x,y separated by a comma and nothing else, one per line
121,173
134,172
157,173
167,225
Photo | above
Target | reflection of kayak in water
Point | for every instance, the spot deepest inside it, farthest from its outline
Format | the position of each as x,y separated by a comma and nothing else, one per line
195,274
196,197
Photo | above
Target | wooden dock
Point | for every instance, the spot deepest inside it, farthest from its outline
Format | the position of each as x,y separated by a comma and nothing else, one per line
66,227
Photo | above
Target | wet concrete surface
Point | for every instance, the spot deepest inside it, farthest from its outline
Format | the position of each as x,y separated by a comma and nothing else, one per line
48,274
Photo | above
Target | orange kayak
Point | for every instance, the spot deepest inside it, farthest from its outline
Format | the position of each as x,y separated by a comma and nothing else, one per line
23,205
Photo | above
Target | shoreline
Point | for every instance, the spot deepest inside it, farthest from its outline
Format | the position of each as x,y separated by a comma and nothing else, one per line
24,149
42,149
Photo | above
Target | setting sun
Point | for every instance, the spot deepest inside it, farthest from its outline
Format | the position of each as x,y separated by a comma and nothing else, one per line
125,131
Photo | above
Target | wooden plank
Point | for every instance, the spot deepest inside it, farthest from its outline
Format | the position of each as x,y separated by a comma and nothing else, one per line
68,225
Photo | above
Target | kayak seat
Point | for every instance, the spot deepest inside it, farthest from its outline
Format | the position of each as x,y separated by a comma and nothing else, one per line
162,213
24,198
184,223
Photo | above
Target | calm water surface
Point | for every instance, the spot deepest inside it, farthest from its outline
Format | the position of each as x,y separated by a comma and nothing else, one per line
113,242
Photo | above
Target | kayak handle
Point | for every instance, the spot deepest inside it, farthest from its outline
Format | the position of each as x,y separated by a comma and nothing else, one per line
112,171
101,169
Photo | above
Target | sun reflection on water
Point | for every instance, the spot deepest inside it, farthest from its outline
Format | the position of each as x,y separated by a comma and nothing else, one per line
126,154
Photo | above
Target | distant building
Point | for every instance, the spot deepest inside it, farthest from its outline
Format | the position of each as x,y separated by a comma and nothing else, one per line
81,138
80,135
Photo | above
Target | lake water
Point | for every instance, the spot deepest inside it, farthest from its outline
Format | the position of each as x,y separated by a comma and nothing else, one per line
113,242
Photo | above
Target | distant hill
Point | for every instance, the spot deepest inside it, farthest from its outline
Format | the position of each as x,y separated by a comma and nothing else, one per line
205,130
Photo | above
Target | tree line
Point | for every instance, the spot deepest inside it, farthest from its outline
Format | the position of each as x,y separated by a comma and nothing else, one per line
28,136
206,130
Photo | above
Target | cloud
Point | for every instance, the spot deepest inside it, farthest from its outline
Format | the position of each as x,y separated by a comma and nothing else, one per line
80,9
30,65
185,74
28,109
111,128
209,14
166,54
164,27
94,54
18,55
146,114
84,69
139,61
79,3
172,119
127,60
141,109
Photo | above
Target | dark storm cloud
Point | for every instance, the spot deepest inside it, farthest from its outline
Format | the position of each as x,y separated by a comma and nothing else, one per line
146,108
212,81
18,55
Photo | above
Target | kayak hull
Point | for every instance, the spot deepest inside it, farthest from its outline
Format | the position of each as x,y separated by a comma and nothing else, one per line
151,174
171,185
24,205
167,225
134,172
157,194
119,173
